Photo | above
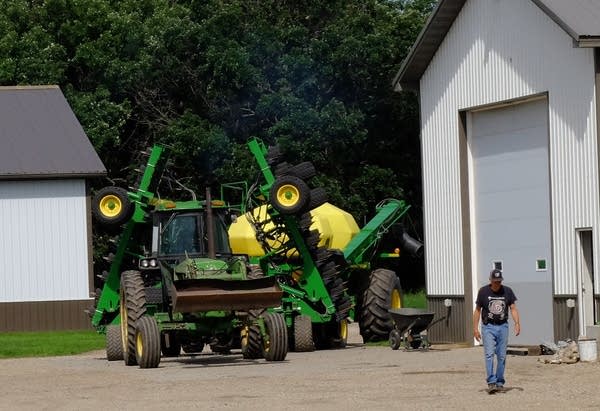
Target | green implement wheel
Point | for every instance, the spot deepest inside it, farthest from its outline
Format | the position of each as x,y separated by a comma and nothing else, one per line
114,345
383,293
111,206
147,342
289,194
251,340
132,307
303,336
275,343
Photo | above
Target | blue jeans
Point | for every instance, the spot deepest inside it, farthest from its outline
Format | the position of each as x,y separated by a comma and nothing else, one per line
495,341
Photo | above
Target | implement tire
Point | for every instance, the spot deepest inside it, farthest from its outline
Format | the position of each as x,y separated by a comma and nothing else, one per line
276,347
251,342
147,342
383,293
132,307
114,345
111,206
303,336
289,195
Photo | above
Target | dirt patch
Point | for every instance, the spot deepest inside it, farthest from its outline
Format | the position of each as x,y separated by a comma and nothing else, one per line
355,378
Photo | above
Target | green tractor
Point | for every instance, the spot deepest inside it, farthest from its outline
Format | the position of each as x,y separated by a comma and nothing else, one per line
293,234
175,284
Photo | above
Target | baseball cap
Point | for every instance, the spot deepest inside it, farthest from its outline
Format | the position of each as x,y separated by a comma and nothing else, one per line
496,275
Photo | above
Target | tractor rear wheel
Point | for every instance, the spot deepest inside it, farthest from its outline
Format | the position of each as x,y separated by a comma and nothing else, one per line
147,342
289,194
303,337
111,206
132,307
169,344
275,347
114,345
383,293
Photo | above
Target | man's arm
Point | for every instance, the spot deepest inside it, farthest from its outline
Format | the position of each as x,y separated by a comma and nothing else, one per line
515,315
476,316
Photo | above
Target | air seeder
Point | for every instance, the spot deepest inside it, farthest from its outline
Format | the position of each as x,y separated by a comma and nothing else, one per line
327,266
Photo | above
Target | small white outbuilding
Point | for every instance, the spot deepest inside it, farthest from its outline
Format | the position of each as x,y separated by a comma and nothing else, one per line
508,93
46,278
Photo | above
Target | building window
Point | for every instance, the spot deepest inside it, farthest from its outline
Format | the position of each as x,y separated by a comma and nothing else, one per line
540,265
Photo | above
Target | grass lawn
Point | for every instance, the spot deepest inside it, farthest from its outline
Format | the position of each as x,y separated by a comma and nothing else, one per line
415,299
45,344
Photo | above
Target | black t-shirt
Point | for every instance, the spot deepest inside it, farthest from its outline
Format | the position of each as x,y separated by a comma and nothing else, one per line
494,306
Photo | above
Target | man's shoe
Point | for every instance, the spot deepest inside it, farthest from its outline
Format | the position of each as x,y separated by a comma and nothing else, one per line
500,388
492,388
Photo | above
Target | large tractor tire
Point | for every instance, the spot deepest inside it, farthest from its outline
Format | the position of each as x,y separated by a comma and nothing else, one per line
289,194
383,293
276,347
147,342
111,206
114,344
303,336
132,307
170,346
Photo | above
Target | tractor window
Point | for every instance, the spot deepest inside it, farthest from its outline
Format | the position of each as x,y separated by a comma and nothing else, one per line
179,235
221,236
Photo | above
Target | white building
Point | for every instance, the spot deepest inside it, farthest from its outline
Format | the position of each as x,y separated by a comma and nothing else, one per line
46,276
508,95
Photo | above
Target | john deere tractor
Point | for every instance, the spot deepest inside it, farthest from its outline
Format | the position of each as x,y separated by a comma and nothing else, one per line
174,282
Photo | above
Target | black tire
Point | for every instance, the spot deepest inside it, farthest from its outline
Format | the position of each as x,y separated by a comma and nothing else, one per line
305,170
170,346
111,206
303,337
251,342
383,293
282,169
276,347
395,339
132,307
318,197
340,334
114,345
147,342
273,154
289,195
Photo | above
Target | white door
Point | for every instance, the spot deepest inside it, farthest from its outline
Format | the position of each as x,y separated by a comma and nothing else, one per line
511,201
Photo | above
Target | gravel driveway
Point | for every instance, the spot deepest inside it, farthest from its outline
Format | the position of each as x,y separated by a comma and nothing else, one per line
355,378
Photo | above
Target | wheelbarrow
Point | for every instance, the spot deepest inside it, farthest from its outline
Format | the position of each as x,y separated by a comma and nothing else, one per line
410,328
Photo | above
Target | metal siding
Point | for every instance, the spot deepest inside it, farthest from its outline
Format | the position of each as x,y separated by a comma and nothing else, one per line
495,52
44,241
45,315
448,324
566,320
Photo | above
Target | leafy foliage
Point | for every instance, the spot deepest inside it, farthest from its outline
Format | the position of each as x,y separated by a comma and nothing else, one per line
204,76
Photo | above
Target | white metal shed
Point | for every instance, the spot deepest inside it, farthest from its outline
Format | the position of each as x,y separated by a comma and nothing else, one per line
508,93
46,275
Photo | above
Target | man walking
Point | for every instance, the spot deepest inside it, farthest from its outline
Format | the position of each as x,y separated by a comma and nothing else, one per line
491,306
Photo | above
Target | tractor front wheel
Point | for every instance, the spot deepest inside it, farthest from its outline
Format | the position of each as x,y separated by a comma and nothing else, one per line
147,342
275,343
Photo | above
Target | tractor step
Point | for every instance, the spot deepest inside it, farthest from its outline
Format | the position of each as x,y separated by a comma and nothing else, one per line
228,295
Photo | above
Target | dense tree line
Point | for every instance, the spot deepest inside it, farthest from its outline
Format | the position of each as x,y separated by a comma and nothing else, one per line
205,75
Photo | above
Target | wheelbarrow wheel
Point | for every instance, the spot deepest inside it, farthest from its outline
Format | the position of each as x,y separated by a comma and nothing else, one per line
395,339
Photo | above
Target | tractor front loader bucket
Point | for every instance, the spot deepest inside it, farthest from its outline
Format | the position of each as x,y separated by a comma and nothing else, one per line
228,295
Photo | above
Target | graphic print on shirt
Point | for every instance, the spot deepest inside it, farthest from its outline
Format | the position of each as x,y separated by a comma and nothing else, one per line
496,309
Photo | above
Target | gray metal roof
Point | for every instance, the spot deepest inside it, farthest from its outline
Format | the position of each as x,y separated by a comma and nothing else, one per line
579,18
41,137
